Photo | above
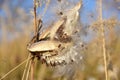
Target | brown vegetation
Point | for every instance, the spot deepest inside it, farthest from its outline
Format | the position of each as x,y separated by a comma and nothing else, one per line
105,42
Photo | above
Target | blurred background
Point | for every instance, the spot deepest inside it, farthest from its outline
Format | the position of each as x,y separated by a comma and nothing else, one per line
16,30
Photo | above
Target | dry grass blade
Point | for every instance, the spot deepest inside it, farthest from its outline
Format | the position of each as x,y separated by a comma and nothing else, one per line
14,68
32,68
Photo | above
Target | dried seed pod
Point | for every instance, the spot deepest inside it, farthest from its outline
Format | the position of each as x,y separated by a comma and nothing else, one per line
72,19
51,31
42,46
59,48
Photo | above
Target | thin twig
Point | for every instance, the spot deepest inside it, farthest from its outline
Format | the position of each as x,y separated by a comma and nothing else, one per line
103,40
15,68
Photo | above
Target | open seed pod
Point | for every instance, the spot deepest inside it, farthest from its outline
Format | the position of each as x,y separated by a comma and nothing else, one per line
59,40
72,16
43,46
51,31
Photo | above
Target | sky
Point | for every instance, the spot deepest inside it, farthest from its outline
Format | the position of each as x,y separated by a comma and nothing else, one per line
88,11
28,4
88,6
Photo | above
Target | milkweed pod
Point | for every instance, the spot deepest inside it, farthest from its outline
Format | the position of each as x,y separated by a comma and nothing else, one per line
56,27
43,46
51,31
72,19
77,7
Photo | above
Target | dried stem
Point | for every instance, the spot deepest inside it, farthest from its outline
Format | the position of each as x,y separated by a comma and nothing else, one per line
103,39
35,32
35,18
